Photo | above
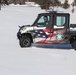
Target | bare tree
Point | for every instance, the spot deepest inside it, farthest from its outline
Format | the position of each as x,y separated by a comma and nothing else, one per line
0,4
65,5
45,4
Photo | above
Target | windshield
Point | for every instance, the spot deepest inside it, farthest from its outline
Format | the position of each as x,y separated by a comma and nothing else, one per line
42,21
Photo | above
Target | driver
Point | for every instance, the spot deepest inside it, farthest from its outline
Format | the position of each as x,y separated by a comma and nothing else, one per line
45,20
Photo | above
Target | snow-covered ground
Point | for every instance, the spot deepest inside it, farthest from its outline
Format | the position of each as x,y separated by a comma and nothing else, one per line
41,60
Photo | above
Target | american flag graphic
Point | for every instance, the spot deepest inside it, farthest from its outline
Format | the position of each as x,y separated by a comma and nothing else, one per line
39,34
45,35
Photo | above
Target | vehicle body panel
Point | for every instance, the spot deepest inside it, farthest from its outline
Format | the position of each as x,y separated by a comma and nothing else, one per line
55,30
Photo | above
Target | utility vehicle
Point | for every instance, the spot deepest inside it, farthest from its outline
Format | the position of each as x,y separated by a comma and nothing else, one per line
49,28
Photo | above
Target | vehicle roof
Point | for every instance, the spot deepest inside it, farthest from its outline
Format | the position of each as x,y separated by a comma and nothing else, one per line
53,12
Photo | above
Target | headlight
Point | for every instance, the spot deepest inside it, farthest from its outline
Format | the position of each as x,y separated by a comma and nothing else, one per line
23,30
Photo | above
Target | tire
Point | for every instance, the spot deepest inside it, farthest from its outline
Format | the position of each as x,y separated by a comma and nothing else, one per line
25,42
74,45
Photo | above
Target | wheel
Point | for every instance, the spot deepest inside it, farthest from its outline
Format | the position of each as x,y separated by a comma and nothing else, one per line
25,41
74,45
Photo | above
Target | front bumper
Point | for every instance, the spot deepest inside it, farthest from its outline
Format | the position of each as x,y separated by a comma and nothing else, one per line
18,35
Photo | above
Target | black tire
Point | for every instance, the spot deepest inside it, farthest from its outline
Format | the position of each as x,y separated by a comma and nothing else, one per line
25,41
74,45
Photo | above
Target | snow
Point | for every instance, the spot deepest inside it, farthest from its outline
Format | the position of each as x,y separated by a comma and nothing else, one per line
40,60
69,1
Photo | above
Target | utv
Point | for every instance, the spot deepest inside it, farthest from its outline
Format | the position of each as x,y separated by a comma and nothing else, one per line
48,28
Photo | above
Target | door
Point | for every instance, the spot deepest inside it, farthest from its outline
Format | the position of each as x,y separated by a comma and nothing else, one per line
41,32
60,27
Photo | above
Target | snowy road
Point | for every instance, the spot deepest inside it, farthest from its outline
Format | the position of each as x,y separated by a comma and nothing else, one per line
41,60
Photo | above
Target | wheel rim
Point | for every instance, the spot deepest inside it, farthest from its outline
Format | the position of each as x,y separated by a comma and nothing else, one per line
26,42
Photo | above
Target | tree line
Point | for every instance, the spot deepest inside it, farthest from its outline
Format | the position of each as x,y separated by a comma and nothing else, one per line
44,4
4,2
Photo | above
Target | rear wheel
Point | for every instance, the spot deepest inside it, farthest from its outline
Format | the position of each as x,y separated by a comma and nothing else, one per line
25,41
74,45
